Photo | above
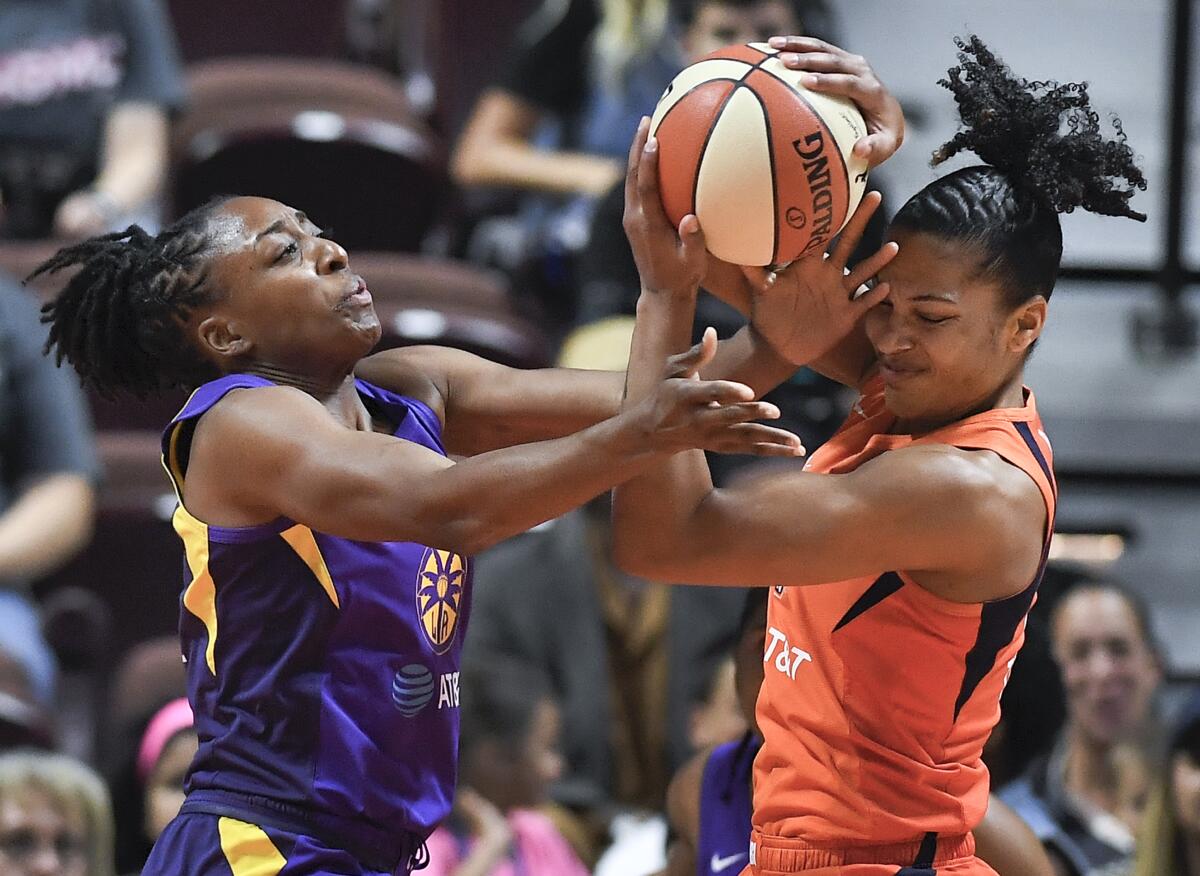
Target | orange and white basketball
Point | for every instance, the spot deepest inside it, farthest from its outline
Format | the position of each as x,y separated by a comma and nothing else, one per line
763,162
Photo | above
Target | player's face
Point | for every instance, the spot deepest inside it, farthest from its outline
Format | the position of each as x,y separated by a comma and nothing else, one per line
945,342
37,838
717,24
1109,670
290,299
1185,793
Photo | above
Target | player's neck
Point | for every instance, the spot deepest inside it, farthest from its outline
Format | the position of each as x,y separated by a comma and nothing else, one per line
335,391
1011,394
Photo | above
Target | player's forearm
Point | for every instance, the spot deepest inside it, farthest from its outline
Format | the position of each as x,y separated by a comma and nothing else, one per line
487,498
747,358
46,526
495,407
650,511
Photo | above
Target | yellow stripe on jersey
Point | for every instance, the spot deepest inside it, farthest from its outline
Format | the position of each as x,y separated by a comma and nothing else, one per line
200,597
248,850
304,543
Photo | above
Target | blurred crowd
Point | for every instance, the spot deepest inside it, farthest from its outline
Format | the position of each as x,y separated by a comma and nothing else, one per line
471,160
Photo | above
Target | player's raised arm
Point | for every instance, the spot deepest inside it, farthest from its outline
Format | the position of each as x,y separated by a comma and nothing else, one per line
294,460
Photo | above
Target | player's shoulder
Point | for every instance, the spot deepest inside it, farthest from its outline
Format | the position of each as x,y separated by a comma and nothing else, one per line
974,492
404,371
252,422
946,470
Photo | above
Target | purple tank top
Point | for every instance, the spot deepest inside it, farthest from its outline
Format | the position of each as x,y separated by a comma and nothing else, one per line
723,846
323,672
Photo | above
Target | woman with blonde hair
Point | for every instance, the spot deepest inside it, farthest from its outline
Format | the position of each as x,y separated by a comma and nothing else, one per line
55,817
1169,841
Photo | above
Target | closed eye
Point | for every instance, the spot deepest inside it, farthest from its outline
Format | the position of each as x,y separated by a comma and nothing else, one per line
935,320
287,252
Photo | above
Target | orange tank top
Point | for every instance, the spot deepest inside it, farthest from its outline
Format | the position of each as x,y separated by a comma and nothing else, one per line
878,695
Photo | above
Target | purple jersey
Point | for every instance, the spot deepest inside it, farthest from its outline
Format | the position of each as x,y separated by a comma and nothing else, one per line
323,672
723,843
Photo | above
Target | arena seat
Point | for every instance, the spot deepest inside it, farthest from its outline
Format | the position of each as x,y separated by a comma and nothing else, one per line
337,140
261,27
134,561
467,46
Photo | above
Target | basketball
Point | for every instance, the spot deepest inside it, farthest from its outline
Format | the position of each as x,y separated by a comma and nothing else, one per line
763,162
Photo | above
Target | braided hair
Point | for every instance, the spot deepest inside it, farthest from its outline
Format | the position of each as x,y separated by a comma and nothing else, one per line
1044,154
119,319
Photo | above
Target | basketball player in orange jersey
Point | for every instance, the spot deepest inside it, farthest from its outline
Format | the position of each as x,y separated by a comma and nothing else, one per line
904,559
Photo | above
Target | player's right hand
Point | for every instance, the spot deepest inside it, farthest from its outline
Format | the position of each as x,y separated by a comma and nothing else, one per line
832,70
686,412
805,309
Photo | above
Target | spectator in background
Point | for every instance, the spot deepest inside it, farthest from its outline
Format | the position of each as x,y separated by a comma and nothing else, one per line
166,751
55,817
147,744
86,88
47,473
560,117
509,751
1169,842
1085,799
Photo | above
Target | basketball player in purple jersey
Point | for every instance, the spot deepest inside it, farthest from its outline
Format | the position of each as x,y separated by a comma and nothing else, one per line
328,535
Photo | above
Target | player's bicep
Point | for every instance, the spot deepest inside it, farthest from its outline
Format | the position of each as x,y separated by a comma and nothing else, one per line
358,485
275,453
804,528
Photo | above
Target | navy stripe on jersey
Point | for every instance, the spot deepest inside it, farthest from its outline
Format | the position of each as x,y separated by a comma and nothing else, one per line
885,585
998,622
1027,436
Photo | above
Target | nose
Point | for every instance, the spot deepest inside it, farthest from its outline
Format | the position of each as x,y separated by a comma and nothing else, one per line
887,333
45,862
331,258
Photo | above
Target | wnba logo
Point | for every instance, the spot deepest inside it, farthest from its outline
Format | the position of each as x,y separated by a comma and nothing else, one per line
440,586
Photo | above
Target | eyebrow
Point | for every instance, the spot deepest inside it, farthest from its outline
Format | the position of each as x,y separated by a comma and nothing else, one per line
279,224
275,226
946,298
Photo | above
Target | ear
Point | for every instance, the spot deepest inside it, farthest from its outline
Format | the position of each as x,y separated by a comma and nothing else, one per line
220,339
1027,322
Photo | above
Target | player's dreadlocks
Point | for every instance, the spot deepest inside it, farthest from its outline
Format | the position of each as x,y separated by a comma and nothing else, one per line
1045,155
119,318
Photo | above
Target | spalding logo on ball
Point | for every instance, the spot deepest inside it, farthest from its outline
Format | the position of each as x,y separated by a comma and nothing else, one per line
763,162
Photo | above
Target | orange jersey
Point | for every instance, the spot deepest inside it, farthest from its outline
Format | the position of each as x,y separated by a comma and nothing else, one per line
878,695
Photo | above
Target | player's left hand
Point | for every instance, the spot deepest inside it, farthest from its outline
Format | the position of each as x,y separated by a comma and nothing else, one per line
668,260
805,309
835,71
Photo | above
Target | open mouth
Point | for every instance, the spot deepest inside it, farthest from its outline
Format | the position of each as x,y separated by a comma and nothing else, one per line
358,295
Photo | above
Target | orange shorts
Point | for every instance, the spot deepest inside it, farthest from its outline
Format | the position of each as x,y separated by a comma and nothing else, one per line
781,856
962,867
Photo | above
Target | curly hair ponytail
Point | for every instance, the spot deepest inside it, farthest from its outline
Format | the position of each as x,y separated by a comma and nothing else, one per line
1045,154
